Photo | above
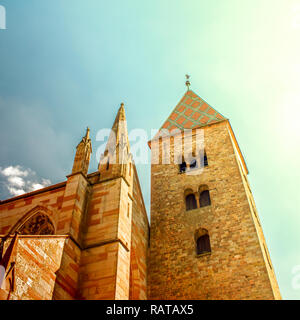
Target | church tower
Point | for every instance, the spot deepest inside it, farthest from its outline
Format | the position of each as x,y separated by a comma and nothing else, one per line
206,238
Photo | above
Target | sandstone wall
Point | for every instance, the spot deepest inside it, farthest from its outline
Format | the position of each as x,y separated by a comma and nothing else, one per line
37,261
139,245
236,267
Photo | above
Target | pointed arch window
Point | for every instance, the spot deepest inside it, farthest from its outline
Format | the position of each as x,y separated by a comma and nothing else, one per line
190,202
204,199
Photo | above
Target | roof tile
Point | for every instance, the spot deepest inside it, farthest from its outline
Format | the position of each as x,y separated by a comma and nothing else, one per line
198,114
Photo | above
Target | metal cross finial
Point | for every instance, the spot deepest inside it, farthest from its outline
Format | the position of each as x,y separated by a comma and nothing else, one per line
187,83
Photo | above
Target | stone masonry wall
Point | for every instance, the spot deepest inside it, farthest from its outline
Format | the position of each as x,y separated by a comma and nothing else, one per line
105,262
259,230
235,268
37,261
139,245
12,211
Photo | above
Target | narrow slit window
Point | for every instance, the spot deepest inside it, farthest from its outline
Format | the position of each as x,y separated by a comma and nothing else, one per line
205,160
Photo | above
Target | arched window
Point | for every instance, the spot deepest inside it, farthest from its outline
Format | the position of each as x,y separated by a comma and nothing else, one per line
39,224
107,164
190,202
203,244
204,199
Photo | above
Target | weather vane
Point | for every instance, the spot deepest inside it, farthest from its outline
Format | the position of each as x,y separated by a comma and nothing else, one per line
187,83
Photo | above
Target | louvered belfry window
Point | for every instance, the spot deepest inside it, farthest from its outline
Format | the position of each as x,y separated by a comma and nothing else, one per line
203,244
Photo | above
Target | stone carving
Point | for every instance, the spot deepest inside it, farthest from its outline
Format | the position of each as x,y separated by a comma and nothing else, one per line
39,224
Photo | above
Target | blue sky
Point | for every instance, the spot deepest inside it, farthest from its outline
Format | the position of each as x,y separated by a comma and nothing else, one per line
66,64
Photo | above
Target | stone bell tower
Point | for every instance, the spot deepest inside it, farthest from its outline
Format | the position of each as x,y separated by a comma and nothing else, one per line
206,238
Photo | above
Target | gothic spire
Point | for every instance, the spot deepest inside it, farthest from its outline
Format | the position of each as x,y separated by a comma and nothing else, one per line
118,139
117,150
83,154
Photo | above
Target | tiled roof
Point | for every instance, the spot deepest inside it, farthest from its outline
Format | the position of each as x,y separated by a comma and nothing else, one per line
192,112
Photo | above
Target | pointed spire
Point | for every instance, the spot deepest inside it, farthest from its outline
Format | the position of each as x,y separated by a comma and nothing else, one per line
119,129
120,117
83,154
191,112
117,148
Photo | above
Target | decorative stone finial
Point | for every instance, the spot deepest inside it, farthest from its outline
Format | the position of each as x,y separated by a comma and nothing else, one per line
87,135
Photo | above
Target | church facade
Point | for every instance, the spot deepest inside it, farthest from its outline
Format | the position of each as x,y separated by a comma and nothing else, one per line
89,236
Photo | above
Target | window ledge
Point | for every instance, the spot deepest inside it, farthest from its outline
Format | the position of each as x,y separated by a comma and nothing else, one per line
194,169
208,206
191,210
203,254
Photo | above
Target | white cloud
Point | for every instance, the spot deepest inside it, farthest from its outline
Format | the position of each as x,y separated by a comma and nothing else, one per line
14,171
36,186
46,182
18,180
15,192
